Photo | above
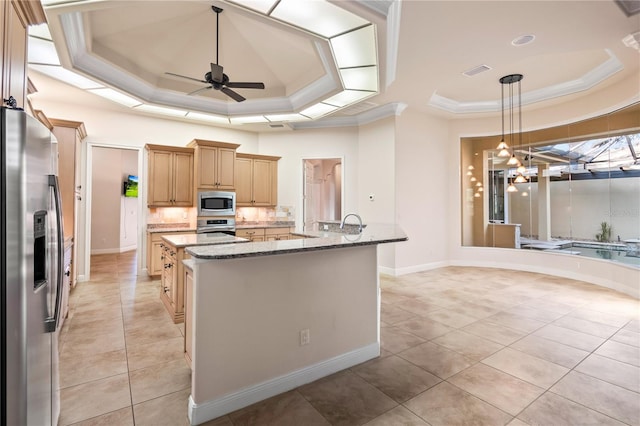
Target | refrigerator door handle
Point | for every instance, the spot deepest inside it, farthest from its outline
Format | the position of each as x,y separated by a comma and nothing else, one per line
51,323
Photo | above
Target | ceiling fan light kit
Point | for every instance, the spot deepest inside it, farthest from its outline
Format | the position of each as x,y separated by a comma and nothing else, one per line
216,78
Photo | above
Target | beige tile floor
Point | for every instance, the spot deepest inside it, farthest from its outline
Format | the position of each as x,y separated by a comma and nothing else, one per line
460,346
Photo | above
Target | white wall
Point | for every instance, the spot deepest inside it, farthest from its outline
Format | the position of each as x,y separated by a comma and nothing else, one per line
377,176
105,204
422,193
293,147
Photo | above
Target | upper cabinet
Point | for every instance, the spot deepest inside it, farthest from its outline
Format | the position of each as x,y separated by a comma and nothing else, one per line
170,176
215,164
16,16
256,180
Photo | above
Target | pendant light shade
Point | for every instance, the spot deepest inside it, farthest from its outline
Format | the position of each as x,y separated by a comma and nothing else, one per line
509,80
513,161
520,179
512,188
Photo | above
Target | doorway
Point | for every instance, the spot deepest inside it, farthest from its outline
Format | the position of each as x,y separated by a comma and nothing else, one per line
113,214
322,191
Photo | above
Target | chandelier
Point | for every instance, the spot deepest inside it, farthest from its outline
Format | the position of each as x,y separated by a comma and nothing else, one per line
503,147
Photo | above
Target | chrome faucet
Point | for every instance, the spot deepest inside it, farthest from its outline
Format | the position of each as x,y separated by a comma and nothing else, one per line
359,220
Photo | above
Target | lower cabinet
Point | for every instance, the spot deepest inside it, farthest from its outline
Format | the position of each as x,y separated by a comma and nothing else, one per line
172,281
155,243
265,234
188,313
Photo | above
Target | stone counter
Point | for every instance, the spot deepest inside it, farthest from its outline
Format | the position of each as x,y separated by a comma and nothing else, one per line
193,239
254,225
155,228
316,240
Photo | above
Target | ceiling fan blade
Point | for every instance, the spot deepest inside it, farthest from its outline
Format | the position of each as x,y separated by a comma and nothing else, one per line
200,90
239,85
216,73
238,97
184,76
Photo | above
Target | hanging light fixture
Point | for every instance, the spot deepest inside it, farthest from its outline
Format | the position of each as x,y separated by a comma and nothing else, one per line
512,187
520,179
502,146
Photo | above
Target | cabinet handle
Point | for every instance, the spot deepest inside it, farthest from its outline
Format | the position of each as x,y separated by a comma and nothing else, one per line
166,289
168,265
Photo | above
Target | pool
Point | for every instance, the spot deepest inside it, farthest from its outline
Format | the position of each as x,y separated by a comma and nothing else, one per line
615,255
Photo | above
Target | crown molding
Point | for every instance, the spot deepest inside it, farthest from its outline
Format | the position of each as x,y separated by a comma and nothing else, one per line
590,79
375,114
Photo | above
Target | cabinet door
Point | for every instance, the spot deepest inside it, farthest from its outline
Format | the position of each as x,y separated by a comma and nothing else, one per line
207,159
226,168
183,179
160,178
261,182
157,258
244,173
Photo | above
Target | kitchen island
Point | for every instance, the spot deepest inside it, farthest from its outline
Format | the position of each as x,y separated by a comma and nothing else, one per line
265,317
172,276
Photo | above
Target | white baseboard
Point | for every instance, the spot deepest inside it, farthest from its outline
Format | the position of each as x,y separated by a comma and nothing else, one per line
396,272
200,413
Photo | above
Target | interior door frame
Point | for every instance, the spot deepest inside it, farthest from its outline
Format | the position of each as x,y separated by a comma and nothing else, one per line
88,185
303,180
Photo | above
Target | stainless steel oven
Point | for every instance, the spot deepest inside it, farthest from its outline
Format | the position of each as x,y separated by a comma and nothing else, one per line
216,203
223,226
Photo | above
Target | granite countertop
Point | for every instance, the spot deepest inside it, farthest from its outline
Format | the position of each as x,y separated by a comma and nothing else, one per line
193,239
155,228
372,234
253,225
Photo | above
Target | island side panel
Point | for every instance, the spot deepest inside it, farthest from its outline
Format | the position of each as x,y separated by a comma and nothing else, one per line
248,314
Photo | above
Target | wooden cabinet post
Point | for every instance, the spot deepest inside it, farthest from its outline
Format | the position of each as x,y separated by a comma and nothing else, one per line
16,16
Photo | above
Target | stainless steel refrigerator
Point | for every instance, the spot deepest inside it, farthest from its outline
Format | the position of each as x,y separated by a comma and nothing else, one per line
31,269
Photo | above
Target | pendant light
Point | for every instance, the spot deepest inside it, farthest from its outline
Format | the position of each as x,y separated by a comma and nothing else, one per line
502,146
520,179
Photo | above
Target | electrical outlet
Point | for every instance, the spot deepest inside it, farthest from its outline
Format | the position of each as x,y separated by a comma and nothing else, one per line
325,227
305,337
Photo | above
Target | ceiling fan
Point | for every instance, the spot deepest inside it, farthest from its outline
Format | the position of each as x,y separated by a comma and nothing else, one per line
216,78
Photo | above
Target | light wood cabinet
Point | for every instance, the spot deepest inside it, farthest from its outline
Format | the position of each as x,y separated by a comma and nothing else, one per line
276,234
69,135
256,180
155,244
172,284
265,234
170,176
16,16
253,234
188,315
215,164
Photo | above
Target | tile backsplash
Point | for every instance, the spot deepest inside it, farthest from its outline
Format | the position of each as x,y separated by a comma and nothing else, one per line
265,214
171,215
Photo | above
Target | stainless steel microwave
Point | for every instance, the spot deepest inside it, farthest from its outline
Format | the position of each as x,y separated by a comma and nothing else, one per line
216,203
